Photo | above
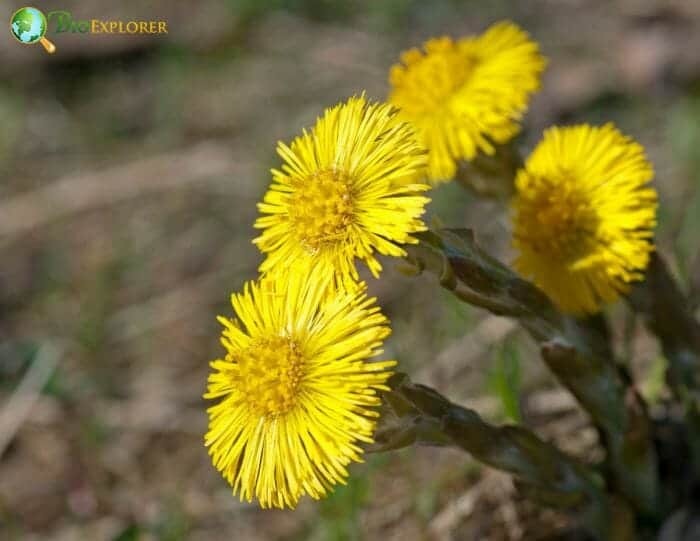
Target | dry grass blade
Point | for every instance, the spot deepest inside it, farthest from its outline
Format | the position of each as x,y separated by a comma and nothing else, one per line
155,313
65,196
19,405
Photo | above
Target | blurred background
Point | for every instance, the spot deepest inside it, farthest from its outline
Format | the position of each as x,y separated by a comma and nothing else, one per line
130,167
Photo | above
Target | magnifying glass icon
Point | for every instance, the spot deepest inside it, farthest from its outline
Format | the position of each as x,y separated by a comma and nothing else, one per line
28,26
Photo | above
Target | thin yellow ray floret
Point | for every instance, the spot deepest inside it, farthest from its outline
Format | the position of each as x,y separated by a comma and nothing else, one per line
464,96
584,216
297,393
342,192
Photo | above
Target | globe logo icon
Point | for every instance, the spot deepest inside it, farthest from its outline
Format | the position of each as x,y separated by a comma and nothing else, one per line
28,25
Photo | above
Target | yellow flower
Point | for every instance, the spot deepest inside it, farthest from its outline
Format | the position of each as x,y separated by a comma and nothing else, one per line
343,193
297,393
463,96
584,216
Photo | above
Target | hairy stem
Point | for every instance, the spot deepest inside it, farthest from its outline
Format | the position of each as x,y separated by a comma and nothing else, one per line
667,314
575,352
491,176
416,413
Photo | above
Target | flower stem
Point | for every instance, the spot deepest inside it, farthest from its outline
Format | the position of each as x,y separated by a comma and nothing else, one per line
491,176
544,473
575,352
666,313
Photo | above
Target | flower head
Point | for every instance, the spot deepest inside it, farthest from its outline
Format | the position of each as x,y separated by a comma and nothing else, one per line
296,391
463,96
584,215
342,192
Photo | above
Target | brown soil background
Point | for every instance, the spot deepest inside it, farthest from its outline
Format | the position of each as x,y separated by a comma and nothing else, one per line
129,172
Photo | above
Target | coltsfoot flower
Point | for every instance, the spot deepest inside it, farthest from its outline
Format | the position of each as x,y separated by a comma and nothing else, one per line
463,96
342,192
297,393
584,215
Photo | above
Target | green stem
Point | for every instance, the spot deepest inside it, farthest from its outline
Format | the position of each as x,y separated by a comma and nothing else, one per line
491,176
659,300
576,353
545,473
667,314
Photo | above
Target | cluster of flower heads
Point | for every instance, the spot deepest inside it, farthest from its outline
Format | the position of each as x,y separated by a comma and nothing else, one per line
298,388
298,391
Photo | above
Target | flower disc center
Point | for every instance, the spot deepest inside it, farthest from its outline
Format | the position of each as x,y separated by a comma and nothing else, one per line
560,224
322,209
431,81
270,372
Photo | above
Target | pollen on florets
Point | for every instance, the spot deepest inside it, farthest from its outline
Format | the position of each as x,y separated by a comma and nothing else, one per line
269,373
584,215
346,191
322,208
464,97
